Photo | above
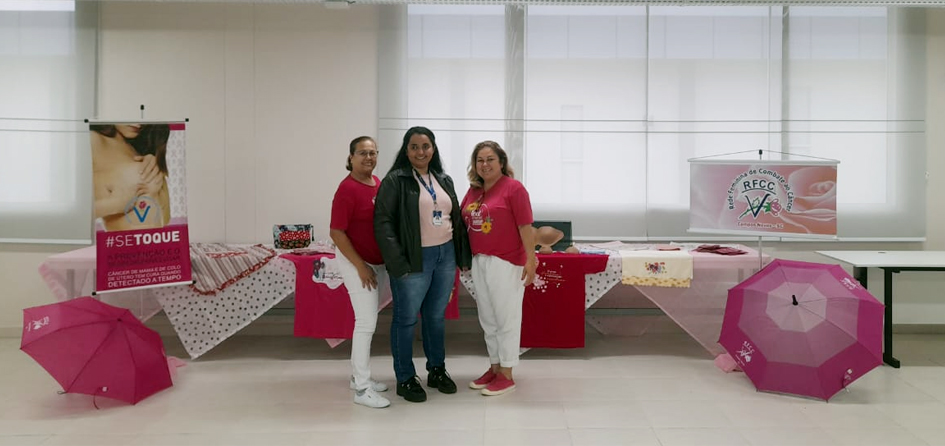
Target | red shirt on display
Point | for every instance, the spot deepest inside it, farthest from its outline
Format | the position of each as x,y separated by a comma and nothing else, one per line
352,211
553,308
323,312
493,217
320,312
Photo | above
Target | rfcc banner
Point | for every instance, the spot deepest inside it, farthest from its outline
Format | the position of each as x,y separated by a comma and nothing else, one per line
140,205
763,197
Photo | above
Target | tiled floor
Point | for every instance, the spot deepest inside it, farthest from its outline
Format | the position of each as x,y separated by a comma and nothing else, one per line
648,390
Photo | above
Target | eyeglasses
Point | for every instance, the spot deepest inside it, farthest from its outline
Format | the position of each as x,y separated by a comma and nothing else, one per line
367,153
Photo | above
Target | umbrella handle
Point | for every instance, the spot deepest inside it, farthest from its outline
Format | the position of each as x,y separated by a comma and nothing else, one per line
102,390
94,403
847,379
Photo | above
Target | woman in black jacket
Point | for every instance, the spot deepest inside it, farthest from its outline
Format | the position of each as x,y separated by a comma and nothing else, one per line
420,230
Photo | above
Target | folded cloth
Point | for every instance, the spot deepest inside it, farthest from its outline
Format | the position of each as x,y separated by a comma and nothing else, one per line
217,266
657,268
291,236
718,249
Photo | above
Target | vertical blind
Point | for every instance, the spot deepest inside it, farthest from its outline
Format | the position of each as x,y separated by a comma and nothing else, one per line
617,98
47,87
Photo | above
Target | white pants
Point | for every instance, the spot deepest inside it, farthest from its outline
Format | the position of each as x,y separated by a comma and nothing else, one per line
365,303
499,294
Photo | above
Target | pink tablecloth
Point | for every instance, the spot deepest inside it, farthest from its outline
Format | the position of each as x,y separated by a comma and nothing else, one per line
71,274
698,309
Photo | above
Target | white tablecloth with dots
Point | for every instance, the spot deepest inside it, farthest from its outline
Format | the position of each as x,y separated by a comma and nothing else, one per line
201,322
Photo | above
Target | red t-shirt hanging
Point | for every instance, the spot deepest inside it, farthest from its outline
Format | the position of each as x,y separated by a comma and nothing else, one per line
320,311
352,211
325,313
553,309
492,219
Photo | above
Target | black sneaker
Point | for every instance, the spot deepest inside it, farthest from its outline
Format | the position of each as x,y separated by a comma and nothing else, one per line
412,391
440,379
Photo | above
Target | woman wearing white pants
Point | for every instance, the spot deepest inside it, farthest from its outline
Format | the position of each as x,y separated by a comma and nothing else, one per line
359,262
498,216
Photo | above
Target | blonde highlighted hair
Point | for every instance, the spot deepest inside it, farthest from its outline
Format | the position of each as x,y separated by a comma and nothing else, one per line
474,179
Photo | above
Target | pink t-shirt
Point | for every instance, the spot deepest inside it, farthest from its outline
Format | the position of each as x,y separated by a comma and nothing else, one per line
352,211
492,219
430,234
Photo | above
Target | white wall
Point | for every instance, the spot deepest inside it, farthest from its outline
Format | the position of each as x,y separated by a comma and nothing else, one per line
275,92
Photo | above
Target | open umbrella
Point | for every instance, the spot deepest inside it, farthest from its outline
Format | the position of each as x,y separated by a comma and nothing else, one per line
94,348
803,328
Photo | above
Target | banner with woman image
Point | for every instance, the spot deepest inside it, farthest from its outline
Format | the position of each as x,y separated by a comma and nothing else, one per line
763,197
140,205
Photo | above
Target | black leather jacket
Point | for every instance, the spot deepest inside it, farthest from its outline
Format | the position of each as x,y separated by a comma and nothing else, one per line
397,223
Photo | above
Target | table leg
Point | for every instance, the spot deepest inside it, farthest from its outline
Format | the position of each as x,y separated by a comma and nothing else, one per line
70,283
888,320
861,275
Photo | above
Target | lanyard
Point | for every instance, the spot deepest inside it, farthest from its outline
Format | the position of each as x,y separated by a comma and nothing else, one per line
429,188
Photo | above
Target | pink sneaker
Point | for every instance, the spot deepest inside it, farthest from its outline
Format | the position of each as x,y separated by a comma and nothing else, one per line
499,385
483,380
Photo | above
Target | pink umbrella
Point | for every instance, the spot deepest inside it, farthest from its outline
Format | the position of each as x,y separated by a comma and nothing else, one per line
94,348
803,328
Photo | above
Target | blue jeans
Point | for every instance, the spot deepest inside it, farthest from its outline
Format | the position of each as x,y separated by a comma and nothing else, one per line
427,293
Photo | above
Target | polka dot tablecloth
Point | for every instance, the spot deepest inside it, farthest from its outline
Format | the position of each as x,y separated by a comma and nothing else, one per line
596,285
203,322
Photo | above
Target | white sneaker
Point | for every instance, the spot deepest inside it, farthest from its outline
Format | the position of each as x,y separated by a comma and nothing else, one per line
377,386
369,398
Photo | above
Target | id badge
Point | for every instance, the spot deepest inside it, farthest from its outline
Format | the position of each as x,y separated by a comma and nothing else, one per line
437,218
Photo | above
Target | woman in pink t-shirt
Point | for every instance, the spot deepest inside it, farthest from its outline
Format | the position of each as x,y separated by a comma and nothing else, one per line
498,217
360,263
